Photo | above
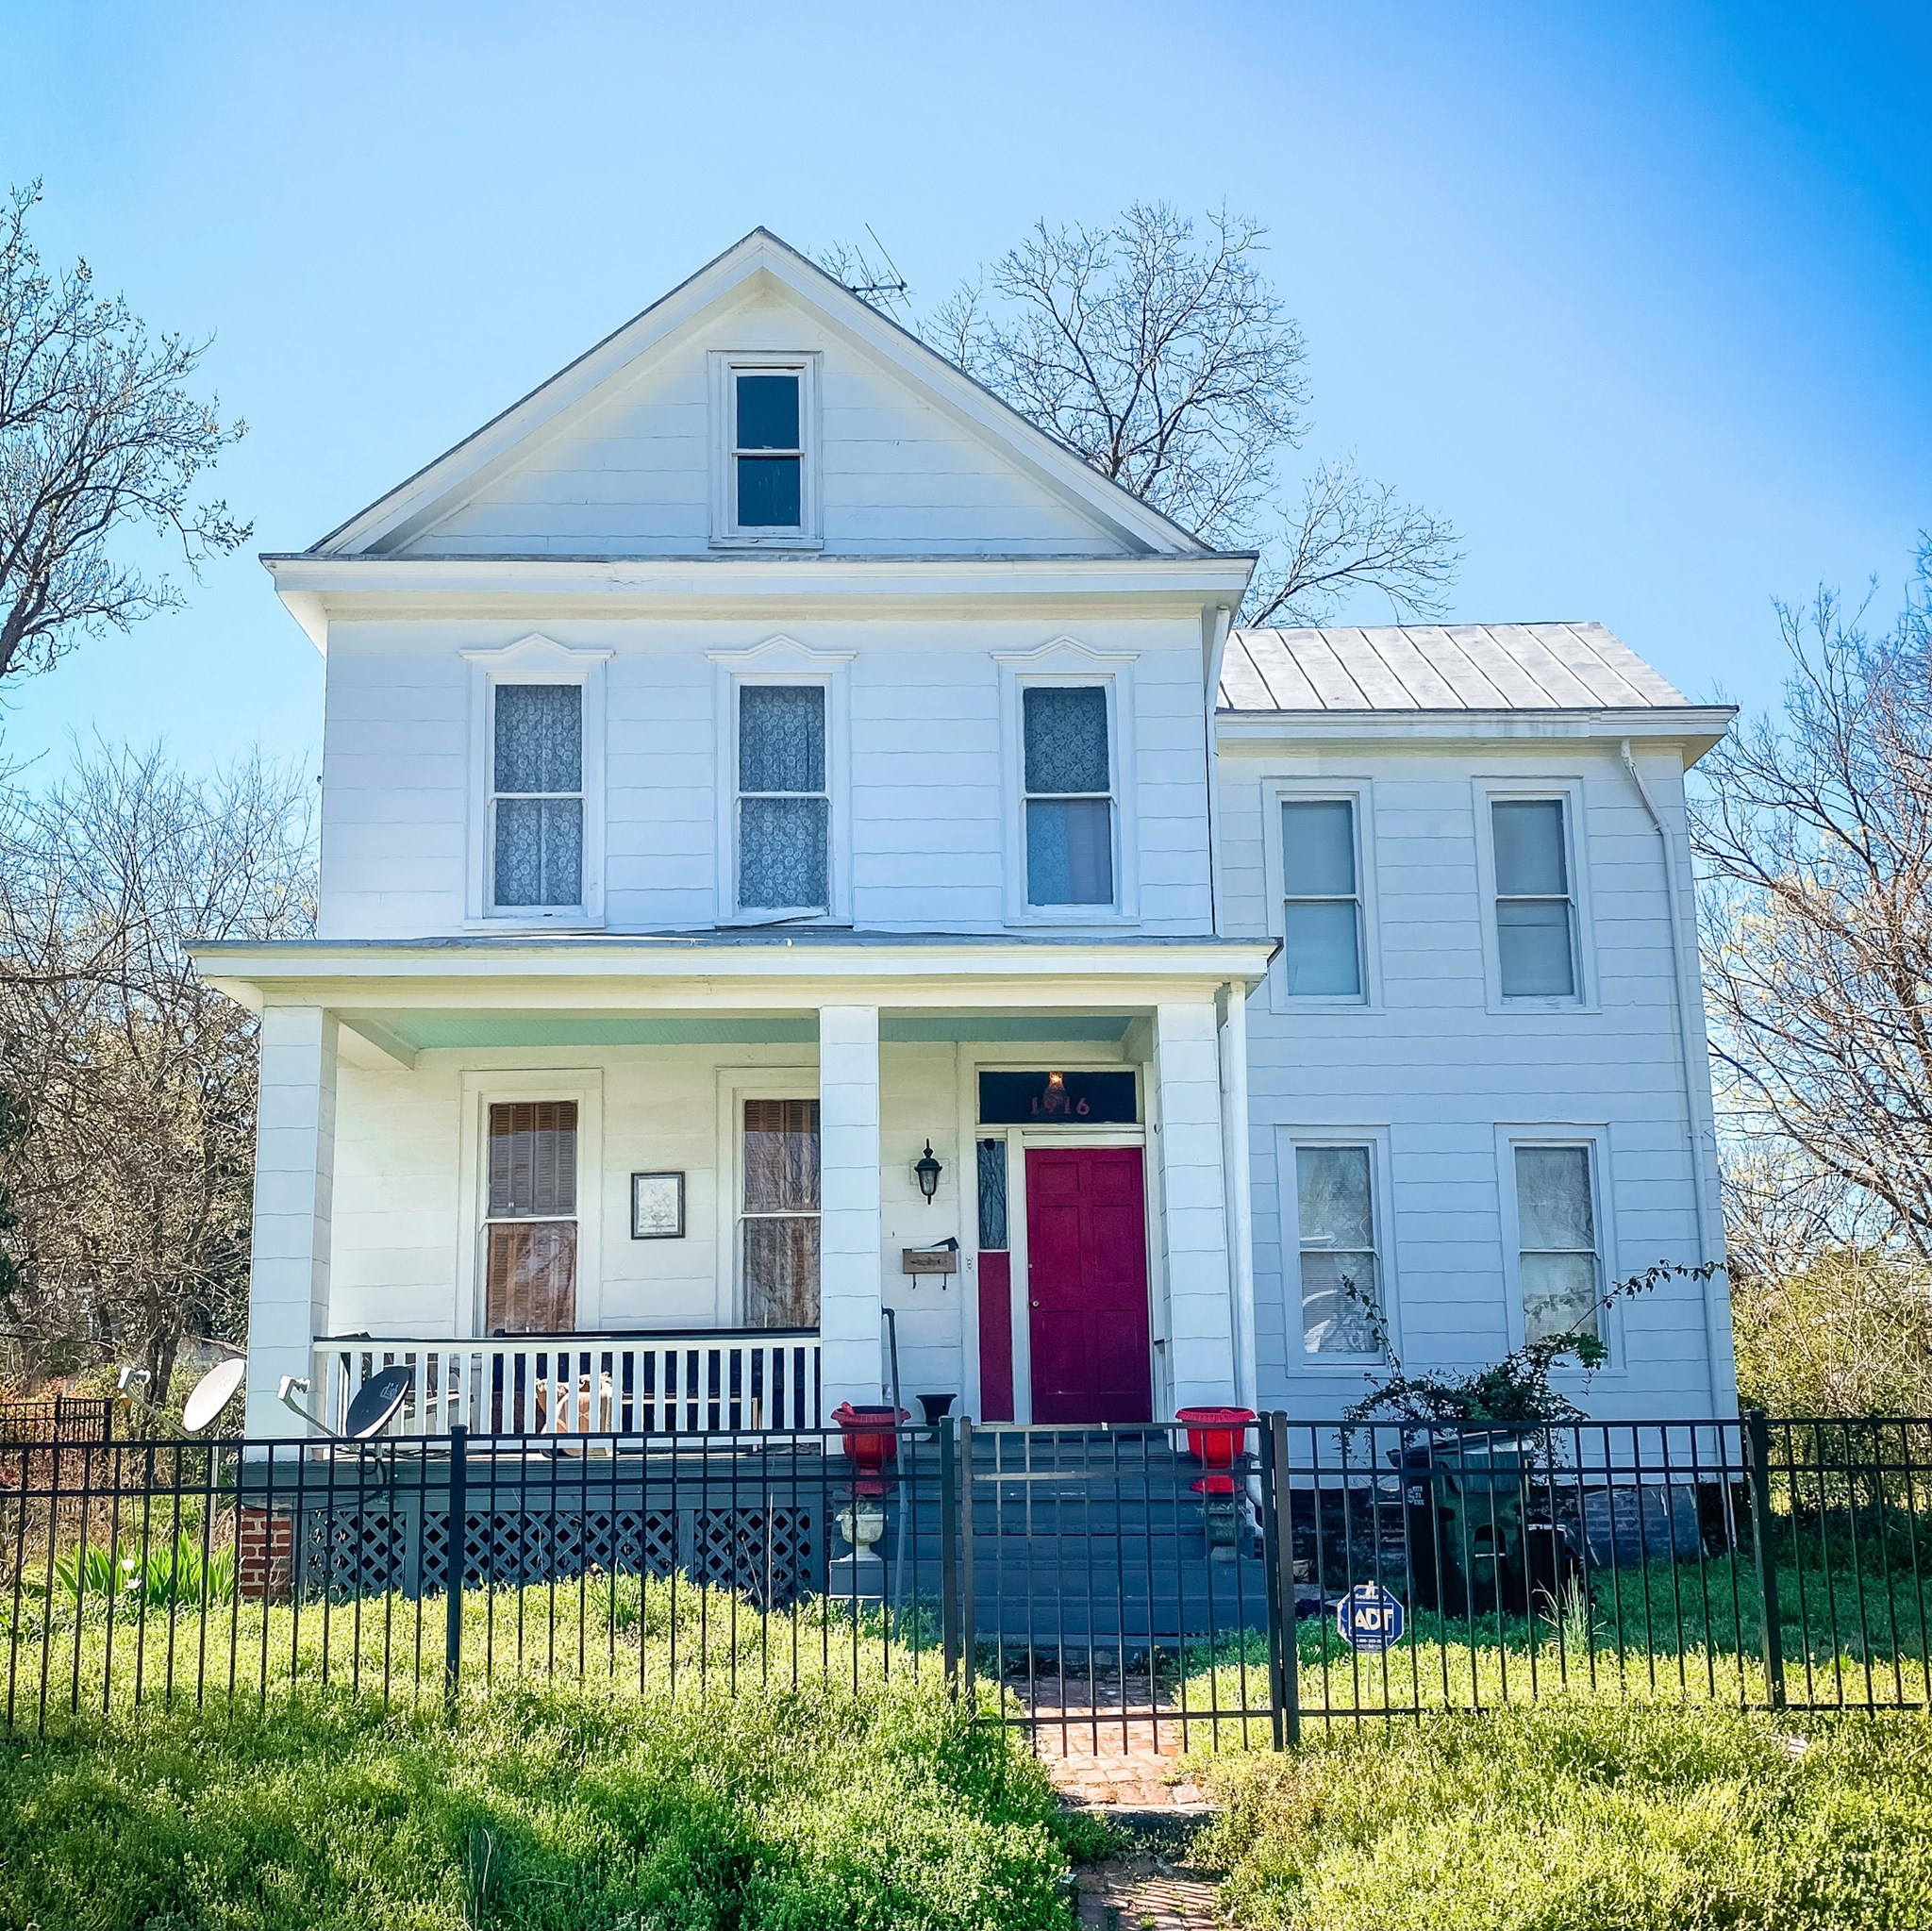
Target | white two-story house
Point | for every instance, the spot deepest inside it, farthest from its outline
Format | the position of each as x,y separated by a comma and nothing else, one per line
811,879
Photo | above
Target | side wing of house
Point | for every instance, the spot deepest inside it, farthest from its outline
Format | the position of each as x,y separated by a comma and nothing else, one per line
1478,1091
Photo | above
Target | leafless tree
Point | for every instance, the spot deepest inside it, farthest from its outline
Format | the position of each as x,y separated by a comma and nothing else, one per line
1815,831
130,1084
1162,356
97,434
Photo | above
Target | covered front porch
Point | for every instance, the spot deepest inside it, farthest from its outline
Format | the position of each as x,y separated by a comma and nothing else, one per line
594,1185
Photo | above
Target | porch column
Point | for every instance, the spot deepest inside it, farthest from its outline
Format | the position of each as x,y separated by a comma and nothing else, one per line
1194,1204
295,1172
850,1297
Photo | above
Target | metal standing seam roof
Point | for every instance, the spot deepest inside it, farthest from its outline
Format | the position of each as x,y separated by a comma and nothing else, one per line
1440,666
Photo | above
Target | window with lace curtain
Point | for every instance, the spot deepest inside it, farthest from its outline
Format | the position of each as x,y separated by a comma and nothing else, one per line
784,801
537,795
1069,802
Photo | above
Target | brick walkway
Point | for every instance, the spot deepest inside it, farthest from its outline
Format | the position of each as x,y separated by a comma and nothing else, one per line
1147,1894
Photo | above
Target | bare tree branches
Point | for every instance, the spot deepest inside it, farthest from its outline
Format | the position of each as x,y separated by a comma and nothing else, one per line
1816,832
1163,358
96,433
133,1084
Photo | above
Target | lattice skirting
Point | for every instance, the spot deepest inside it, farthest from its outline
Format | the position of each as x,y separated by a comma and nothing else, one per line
774,1554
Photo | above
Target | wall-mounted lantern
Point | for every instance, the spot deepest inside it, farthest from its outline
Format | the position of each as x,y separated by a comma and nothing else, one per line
926,1171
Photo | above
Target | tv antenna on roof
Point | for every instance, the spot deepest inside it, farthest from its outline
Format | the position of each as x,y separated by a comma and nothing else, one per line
890,284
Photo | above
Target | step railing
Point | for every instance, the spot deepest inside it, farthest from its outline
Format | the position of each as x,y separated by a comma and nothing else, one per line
754,1380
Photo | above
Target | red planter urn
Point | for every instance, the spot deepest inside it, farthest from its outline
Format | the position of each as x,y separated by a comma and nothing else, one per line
871,1441
1214,1439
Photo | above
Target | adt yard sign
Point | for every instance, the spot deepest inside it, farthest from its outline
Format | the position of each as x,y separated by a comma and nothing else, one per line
1369,1618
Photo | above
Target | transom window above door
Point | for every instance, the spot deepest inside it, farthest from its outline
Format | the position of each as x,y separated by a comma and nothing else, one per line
784,802
530,1229
1069,801
537,795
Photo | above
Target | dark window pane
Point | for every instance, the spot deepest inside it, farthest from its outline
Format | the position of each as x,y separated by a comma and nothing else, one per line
533,1158
768,412
781,738
1533,949
781,1156
540,736
992,1195
1529,848
1069,852
781,1274
1027,1099
1066,739
1318,849
769,492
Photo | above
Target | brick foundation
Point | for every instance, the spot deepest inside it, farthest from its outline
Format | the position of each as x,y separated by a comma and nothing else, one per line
264,1556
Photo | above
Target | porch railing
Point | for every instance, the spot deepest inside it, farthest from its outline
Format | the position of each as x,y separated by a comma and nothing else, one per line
746,1380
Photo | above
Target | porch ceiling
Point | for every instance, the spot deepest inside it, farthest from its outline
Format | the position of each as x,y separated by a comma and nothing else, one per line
424,1029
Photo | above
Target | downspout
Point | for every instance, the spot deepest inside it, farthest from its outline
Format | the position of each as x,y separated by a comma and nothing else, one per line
1214,628
1716,1328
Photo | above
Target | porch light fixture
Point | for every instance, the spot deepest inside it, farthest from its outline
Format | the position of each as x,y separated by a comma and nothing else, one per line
926,1171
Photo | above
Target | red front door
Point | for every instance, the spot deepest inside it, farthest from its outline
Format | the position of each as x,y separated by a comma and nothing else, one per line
1087,1285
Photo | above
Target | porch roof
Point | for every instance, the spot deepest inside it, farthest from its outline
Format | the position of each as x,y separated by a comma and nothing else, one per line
606,989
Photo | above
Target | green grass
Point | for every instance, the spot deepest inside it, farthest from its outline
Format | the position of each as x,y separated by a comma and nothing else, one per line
1594,1811
542,1809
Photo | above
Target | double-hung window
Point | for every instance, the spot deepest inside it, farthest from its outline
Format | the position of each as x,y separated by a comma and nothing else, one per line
530,1263
767,479
1559,1262
1340,1276
784,806
779,1223
1069,801
537,797
1535,910
1321,909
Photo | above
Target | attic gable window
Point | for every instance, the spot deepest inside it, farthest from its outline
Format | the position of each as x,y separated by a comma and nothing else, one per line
766,490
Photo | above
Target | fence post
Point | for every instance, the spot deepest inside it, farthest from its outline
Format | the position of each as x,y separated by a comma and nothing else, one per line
949,1553
1757,1454
1277,1542
966,1630
453,1577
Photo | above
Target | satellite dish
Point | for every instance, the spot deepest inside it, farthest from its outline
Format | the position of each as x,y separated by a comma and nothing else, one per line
376,1402
211,1394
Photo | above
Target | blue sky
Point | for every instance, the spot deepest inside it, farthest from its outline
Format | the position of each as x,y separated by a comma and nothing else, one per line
1639,295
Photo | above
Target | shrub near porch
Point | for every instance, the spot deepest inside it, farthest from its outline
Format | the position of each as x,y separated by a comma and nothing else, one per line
813,1809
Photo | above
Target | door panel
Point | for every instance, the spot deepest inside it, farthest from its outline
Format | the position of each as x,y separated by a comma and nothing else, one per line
1087,1285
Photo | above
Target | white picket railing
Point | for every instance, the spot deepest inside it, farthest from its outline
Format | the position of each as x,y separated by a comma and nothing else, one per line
756,1379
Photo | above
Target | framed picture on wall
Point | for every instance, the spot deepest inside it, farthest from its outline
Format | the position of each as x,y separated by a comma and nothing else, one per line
656,1207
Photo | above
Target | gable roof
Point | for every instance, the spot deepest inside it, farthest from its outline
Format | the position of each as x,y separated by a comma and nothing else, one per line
1440,666
575,389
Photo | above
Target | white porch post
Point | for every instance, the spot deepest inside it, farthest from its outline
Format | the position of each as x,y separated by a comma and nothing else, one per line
850,1296
295,1172
1193,1202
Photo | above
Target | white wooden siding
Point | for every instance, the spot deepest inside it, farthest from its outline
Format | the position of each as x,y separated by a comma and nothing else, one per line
1440,1072
929,803
900,476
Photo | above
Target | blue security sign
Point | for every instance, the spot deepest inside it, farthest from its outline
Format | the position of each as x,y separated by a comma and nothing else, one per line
1370,1619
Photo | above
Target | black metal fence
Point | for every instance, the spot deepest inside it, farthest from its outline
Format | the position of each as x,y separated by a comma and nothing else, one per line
1111,1585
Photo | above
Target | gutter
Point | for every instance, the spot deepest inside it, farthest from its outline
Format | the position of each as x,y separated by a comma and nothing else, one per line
1716,1325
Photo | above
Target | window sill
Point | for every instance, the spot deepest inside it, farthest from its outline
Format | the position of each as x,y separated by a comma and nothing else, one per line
1503,1004
511,922
800,543
1074,915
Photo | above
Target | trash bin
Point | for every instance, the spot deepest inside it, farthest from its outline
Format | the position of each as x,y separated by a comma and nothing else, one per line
1468,1502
